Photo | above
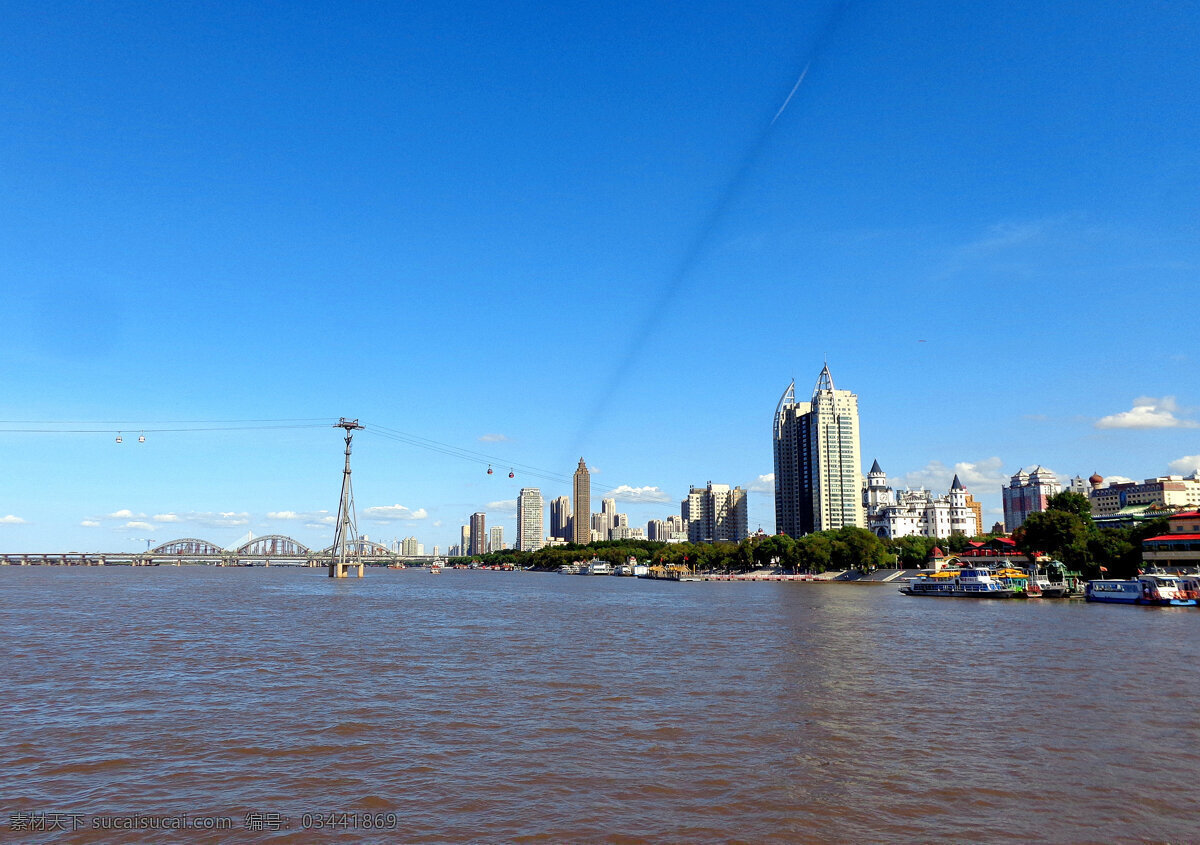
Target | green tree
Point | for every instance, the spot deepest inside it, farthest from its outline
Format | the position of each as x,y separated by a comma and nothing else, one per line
857,548
1069,502
814,552
1059,533
912,551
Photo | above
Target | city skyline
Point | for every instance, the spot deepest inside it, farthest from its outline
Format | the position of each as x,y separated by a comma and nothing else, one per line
248,217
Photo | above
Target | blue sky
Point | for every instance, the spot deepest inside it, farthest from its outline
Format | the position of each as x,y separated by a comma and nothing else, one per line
541,231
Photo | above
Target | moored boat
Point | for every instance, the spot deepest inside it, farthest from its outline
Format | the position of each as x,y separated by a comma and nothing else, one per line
973,583
1152,589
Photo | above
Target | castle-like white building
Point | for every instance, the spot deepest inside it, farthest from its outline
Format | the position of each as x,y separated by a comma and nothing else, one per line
917,512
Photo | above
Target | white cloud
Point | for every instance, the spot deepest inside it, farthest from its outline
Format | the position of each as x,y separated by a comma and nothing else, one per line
1148,412
90,523
506,506
166,517
437,523
493,438
137,526
977,476
1185,465
319,517
124,513
763,484
638,495
393,513
11,520
318,525
223,519
1116,479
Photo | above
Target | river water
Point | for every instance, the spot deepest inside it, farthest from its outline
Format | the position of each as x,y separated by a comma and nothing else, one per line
488,706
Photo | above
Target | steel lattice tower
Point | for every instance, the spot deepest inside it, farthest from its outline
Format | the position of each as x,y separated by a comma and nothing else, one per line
345,552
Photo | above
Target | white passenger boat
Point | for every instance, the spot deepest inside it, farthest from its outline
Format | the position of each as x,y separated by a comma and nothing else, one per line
1152,588
968,583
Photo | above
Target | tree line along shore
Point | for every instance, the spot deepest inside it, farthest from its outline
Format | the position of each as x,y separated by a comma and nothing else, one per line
1064,531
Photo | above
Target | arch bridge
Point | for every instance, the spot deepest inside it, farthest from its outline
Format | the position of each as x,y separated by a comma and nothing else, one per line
268,550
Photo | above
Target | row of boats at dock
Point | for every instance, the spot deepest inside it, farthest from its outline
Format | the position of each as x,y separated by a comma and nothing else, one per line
669,572
1051,580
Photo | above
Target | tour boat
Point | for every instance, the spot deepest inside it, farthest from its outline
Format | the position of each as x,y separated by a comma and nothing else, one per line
1048,578
1153,589
1113,591
962,584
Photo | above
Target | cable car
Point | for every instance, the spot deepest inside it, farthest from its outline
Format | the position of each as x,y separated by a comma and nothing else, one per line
489,469
511,474
142,437
120,439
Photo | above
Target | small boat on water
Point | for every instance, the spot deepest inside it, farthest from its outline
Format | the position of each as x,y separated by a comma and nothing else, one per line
1153,589
1050,579
967,583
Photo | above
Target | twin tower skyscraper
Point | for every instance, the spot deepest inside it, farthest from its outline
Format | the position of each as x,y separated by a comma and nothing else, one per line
818,466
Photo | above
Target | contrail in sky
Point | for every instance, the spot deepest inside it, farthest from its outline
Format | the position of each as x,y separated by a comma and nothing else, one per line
695,249
791,94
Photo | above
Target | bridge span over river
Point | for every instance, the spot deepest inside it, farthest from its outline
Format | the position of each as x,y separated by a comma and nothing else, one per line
270,550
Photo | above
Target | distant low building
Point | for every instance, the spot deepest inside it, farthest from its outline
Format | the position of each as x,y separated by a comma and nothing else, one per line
1169,491
670,530
1179,548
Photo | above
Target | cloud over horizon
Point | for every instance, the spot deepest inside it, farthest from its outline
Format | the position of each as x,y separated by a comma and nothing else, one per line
11,520
1148,412
978,477
311,519
493,438
505,506
763,484
638,495
392,513
1185,465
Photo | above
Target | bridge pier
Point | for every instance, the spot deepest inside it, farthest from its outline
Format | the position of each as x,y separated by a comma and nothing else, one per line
341,569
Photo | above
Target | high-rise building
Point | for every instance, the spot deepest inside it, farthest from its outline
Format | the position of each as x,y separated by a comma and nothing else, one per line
464,540
560,518
1026,493
529,519
582,494
818,472
496,538
715,513
478,534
